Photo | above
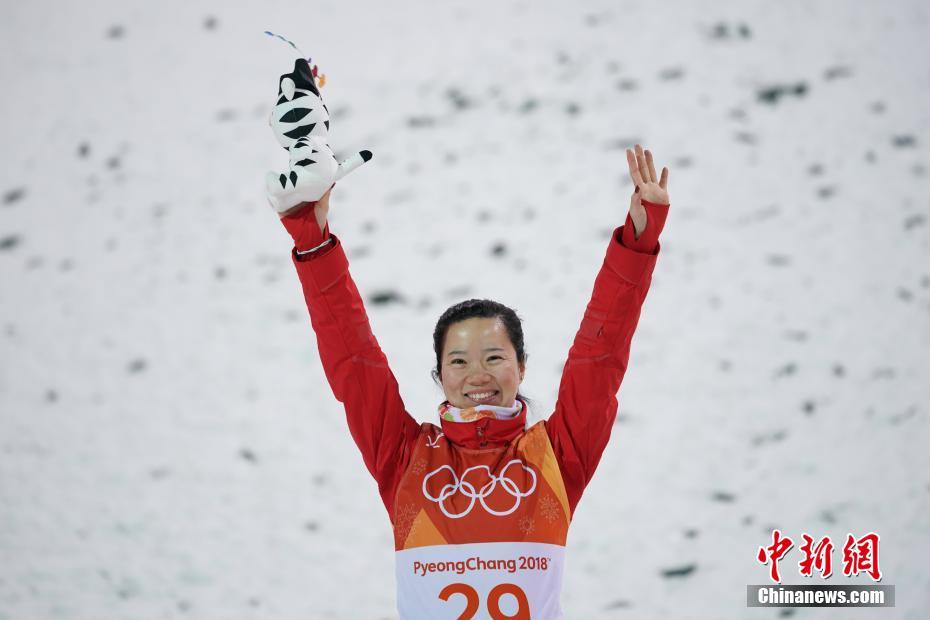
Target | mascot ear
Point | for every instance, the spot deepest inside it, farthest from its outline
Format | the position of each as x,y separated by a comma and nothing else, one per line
287,87
300,78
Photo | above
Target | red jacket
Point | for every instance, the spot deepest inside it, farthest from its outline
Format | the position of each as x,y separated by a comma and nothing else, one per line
522,484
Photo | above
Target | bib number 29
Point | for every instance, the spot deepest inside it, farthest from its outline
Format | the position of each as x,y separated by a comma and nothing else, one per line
473,601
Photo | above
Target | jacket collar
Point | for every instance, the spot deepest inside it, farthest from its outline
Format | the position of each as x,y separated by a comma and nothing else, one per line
486,432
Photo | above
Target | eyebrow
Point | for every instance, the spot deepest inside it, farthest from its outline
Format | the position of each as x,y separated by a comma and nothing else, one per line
464,352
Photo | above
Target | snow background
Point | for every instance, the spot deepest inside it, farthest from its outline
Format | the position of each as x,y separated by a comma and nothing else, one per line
169,447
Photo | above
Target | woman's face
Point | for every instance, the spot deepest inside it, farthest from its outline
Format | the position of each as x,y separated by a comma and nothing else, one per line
479,364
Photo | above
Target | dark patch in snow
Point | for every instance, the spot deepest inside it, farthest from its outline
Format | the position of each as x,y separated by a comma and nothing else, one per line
159,473
773,437
627,85
247,455
618,604
10,241
458,292
621,144
827,516
210,23
13,195
672,73
421,121
722,30
678,572
903,141
826,191
833,73
384,298
913,221
116,31
772,94
723,497
458,99
528,106
137,365
359,252
905,415
745,137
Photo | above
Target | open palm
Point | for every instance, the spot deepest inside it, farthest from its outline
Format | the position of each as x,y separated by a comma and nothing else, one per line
649,187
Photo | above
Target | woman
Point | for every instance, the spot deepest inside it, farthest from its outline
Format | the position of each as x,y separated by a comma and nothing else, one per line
480,504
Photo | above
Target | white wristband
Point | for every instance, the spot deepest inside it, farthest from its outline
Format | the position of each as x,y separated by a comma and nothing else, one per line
327,242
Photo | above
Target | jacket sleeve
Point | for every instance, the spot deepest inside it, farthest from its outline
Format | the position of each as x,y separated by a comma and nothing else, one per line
586,408
356,367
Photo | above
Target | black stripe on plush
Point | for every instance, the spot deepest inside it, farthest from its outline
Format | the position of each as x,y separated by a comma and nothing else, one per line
295,114
300,132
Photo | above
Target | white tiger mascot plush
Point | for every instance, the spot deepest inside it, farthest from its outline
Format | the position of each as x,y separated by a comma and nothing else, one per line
300,121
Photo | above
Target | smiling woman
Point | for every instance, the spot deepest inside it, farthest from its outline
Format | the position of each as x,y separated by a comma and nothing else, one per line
481,490
480,357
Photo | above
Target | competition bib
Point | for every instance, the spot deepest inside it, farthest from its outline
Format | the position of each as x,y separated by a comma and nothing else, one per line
519,581
481,533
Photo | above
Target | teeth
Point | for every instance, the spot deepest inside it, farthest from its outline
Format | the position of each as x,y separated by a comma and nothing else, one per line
481,395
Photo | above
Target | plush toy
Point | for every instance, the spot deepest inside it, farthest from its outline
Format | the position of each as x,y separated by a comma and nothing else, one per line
300,121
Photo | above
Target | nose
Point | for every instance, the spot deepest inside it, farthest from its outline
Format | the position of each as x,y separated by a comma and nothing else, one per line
479,377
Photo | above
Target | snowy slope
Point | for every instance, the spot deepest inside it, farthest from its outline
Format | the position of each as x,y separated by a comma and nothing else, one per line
169,446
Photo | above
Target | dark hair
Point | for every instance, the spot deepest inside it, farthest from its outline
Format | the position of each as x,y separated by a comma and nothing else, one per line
479,308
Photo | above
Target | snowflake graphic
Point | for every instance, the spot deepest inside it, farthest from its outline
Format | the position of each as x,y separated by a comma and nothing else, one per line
549,508
403,521
526,525
419,467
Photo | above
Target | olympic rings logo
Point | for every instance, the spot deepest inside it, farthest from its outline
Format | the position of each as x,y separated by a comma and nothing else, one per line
469,491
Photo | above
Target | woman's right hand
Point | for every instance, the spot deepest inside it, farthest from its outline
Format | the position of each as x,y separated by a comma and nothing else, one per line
307,222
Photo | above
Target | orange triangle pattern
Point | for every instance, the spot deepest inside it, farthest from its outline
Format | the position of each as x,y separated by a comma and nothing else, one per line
423,533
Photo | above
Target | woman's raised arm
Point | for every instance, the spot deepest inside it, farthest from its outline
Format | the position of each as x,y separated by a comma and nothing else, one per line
580,426
355,366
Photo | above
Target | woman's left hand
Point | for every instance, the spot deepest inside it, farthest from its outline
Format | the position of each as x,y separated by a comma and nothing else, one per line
643,173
